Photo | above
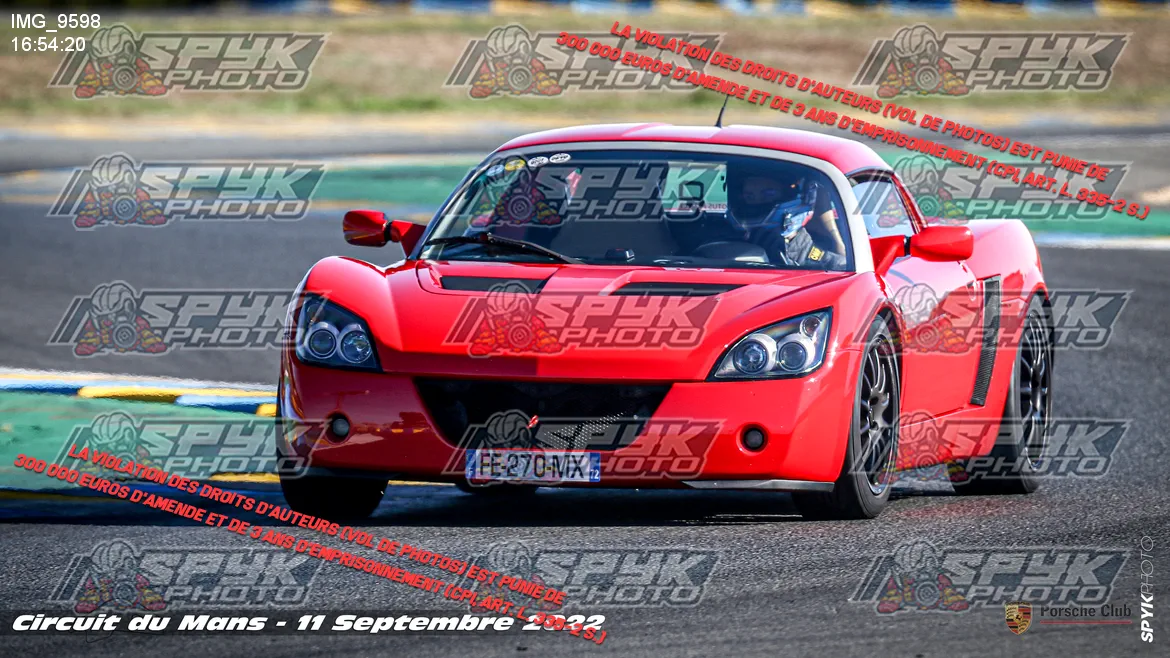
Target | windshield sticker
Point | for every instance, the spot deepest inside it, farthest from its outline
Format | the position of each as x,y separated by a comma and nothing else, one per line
559,158
538,161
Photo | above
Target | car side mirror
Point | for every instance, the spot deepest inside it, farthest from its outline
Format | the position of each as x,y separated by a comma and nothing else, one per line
943,243
406,234
887,250
365,228
370,228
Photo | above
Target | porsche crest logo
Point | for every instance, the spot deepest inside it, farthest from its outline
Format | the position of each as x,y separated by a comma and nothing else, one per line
1019,616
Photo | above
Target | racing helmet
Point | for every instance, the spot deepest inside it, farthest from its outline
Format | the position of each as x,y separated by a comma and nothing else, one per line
114,432
113,171
760,196
114,43
752,192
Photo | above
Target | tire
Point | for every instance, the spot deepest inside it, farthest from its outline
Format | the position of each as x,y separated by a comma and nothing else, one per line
1015,462
497,490
333,498
862,490
327,497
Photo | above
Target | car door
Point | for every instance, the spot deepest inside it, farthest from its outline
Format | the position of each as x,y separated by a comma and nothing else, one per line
940,304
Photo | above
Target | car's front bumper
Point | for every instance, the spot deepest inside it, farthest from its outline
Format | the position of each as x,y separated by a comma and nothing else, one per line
692,440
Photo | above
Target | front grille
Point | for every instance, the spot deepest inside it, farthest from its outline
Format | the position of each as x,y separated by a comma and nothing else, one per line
499,414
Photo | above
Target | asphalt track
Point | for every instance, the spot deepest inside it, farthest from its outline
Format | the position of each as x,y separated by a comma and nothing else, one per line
781,586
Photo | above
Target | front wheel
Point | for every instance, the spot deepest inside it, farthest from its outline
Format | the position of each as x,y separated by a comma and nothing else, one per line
496,489
1016,461
863,488
326,496
333,498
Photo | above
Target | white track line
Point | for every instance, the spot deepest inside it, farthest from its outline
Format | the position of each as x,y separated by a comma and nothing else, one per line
1080,241
192,383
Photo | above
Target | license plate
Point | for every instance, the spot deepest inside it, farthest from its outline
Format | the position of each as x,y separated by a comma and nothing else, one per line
533,466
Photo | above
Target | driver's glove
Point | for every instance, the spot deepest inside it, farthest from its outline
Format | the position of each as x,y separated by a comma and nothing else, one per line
772,240
799,250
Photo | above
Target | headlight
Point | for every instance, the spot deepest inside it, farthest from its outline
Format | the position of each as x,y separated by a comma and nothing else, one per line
328,335
790,348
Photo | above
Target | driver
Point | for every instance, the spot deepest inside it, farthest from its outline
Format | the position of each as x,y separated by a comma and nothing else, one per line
776,218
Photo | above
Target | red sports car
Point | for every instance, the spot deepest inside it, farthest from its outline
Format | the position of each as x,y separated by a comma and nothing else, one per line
647,305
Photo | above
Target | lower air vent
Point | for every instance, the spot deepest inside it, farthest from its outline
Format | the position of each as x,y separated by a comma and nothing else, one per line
536,415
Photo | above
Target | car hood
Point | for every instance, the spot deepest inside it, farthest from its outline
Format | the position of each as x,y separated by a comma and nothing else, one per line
577,322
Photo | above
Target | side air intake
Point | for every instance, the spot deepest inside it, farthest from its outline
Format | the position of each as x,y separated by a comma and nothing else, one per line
991,313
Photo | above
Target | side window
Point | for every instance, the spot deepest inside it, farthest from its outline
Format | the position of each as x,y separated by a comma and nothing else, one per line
882,208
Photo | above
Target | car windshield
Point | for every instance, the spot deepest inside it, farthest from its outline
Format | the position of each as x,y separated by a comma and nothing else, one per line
645,207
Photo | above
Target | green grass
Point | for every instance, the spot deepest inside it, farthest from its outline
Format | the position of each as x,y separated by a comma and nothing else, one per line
395,63
413,185
39,425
